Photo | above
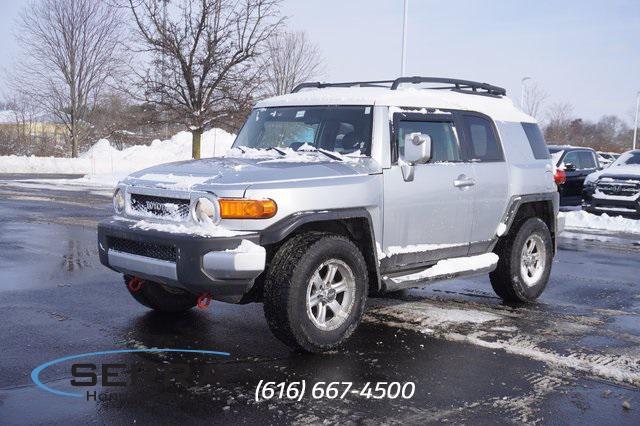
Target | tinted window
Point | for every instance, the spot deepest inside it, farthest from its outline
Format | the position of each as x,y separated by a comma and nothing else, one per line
587,160
484,144
628,158
572,158
536,141
444,143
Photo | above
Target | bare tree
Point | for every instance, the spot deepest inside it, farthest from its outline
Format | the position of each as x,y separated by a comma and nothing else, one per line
204,54
534,98
291,59
70,51
559,118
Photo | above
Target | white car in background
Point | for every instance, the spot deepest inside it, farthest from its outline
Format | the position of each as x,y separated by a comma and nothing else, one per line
607,158
616,189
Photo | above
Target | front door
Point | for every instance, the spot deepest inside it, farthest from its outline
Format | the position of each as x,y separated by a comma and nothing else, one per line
582,163
428,218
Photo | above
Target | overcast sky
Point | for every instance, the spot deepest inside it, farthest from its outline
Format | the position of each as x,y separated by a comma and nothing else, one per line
584,52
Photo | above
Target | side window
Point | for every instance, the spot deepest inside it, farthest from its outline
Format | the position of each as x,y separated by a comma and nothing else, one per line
572,158
484,143
536,141
587,160
444,141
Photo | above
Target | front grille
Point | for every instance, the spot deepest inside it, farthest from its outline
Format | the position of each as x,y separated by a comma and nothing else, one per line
163,207
155,251
623,188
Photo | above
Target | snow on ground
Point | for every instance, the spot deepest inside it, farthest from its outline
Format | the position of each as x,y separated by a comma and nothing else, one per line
577,220
103,165
500,328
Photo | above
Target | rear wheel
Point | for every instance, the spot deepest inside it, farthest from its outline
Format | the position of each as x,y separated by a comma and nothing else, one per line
160,297
315,291
526,254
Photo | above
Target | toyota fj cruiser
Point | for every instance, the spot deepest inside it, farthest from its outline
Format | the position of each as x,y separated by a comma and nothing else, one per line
340,191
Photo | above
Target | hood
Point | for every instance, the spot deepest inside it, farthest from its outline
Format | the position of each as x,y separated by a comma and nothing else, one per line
617,172
206,174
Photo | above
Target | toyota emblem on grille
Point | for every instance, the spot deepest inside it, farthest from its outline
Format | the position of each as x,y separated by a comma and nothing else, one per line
157,207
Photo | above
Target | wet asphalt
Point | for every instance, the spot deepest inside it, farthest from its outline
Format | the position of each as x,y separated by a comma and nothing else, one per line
571,358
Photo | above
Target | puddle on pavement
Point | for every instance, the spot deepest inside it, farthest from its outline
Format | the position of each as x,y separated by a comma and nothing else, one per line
46,255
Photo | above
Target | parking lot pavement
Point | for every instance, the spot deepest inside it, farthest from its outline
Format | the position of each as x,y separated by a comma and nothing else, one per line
573,357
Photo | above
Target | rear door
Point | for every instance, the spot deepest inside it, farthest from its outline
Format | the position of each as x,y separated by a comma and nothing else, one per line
428,218
482,148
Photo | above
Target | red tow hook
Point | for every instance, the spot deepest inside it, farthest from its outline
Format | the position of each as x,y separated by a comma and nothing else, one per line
135,284
204,300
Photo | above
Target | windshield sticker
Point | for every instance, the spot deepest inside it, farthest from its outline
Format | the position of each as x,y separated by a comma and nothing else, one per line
367,110
300,114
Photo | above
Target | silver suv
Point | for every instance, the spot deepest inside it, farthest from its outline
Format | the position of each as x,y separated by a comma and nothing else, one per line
340,191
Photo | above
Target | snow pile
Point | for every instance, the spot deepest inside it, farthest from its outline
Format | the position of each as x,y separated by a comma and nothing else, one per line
176,182
7,116
413,248
583,220
103,164
188,228
304,154
452,266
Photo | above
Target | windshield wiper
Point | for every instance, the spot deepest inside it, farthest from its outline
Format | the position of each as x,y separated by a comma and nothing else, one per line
278,150
332,155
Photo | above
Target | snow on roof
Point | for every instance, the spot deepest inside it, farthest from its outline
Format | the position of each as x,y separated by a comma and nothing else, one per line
501,108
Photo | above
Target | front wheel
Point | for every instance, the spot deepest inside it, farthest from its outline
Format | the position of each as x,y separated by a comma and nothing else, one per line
525,262
315,291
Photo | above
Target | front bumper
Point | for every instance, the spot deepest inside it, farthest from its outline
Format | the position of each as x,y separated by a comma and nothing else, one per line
216,265
598,203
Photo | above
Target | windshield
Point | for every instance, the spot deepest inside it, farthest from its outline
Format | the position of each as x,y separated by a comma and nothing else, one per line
342,129
630,157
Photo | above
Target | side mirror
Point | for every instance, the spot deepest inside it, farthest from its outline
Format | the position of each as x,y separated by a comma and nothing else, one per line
569,167
417,150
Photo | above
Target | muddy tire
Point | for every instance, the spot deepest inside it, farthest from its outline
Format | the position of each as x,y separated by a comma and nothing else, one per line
161,298
526,254
315,291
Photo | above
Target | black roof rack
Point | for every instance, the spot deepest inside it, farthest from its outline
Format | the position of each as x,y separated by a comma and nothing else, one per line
462,86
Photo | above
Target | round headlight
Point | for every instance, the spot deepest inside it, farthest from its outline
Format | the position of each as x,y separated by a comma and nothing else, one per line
118,200
205,211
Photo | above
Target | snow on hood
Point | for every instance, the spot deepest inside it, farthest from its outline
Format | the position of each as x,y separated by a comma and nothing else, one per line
199,174
615,171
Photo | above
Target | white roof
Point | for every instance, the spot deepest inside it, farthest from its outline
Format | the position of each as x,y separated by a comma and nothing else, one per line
501,109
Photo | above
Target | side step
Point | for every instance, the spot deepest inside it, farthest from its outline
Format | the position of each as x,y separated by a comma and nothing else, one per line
443,270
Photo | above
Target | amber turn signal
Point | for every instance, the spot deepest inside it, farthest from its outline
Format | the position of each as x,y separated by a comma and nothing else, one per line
240,208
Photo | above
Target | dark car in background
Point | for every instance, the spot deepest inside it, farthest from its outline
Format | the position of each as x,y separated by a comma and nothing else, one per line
573,164
615,190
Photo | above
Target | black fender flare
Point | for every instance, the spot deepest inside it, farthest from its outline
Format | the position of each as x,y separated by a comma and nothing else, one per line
288,225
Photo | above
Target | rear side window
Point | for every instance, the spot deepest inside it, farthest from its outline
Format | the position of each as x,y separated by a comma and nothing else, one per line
444,143
572,158
484,143
587,160
536,141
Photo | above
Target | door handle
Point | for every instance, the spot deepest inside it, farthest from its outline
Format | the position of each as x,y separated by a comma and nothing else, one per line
463,182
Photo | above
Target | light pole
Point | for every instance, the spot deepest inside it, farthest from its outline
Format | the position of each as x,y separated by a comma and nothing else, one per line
404,38
635,127
522,91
